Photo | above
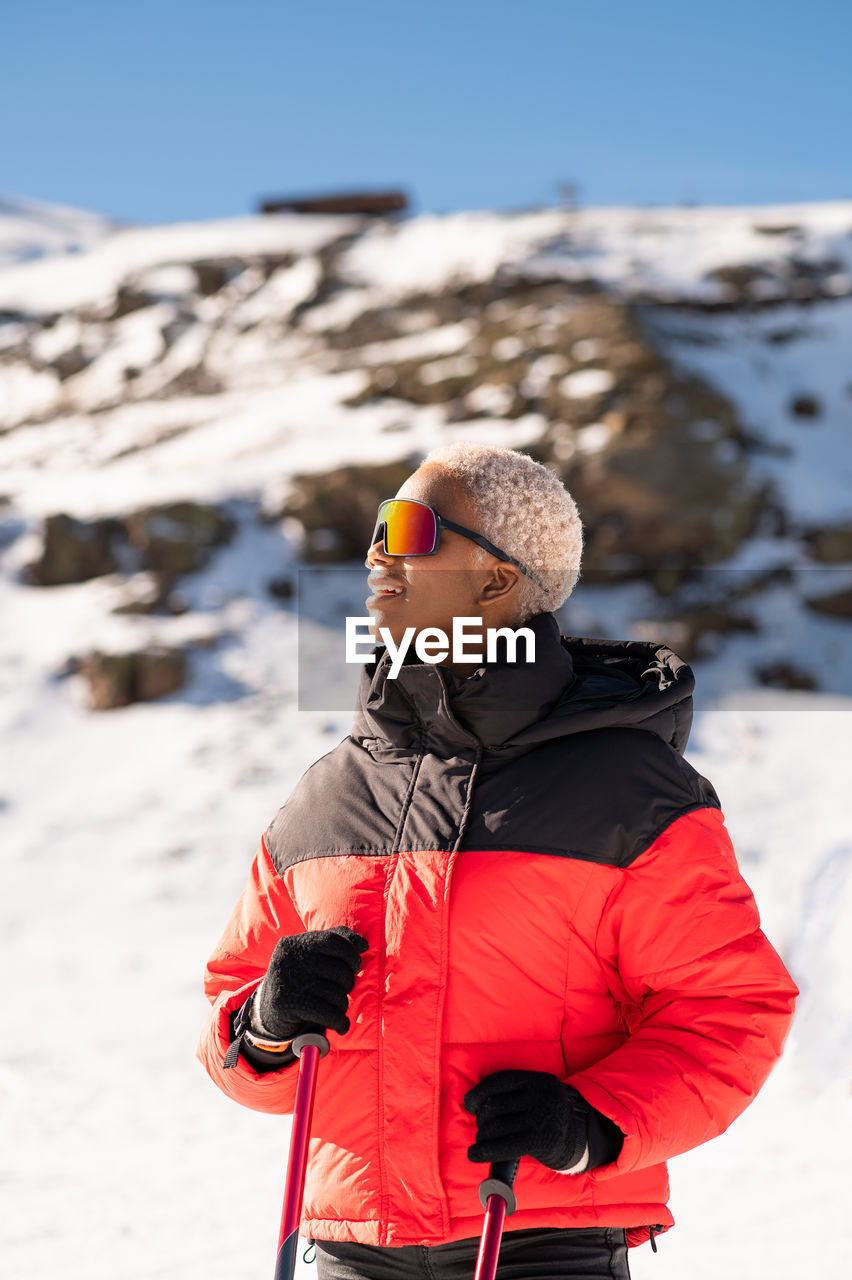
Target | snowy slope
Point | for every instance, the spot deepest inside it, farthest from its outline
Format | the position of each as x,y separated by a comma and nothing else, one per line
668,254
51,285
126,835
32,229
764,360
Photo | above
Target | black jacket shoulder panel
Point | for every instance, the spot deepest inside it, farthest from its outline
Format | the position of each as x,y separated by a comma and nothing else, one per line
601,796
577,754
345,802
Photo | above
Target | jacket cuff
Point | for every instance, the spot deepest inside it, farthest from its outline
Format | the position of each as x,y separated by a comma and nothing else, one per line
580,1167
603,1138
261,1060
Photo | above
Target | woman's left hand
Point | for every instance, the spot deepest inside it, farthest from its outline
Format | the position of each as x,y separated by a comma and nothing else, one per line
532,1113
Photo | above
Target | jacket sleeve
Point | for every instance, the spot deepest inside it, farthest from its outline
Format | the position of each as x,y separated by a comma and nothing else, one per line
706,998
264,912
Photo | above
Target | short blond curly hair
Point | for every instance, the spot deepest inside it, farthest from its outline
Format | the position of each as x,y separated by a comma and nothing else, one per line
526,511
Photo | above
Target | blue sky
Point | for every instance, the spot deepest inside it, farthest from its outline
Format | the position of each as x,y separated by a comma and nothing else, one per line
161,111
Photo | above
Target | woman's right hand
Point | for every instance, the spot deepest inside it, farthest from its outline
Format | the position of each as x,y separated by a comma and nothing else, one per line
308,982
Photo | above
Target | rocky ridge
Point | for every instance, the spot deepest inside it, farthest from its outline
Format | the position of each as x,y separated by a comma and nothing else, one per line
300,367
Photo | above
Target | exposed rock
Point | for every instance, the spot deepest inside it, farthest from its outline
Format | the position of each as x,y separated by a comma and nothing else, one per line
695,632
755,286
176,328
178,537
779,229
158,672
830,545
168,540
213,276
499,307
211,641
812,269
780,337
157,596
281,588
196,380
785,675
836,604
71,362
748,584
664,503
74,551
740,281
806,406
269,263
127,300
657,495
337,509
110,679
118,679
533,356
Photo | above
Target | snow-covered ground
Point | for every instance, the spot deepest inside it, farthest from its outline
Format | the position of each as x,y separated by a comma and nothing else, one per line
126,838
31,229
127,835
667,252
764,361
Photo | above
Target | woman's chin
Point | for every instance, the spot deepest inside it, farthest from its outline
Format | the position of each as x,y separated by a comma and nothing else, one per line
384,627
389,612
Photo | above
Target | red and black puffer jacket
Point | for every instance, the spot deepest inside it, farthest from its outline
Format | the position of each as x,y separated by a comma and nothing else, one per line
545,884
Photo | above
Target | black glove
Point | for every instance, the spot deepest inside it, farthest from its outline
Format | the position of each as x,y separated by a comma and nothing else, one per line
532,1113
307,983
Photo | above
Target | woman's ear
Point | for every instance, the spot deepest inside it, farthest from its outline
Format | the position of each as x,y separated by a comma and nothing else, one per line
503,580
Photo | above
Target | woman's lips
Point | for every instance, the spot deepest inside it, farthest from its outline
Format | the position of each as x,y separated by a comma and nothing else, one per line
383,588
381,597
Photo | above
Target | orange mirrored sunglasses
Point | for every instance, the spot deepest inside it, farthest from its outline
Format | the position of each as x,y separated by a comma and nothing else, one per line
409,527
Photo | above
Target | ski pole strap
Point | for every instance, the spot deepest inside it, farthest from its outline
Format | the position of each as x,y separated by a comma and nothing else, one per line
499,1182
239,1027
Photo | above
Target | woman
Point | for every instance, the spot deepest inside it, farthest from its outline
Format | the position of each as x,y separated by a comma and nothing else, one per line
513,907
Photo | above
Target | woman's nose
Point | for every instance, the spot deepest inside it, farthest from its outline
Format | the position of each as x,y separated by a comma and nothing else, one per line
377,554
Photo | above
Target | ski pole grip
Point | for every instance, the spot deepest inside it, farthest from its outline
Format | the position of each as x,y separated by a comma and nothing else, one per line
310,1037
499,1182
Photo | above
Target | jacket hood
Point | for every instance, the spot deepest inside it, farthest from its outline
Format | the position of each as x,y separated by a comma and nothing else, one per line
506,708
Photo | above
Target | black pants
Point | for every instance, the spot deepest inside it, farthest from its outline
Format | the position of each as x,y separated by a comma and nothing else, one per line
547,1253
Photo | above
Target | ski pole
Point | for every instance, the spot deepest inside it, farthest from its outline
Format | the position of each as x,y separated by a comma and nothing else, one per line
498,1200
308,1048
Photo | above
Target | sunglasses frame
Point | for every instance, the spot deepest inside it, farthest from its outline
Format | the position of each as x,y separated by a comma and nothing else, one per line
441,523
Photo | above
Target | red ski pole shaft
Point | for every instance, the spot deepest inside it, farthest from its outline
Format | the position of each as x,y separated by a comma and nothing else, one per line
309,1048
498,1199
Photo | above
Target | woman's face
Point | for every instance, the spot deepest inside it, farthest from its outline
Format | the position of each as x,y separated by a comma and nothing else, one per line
448,584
